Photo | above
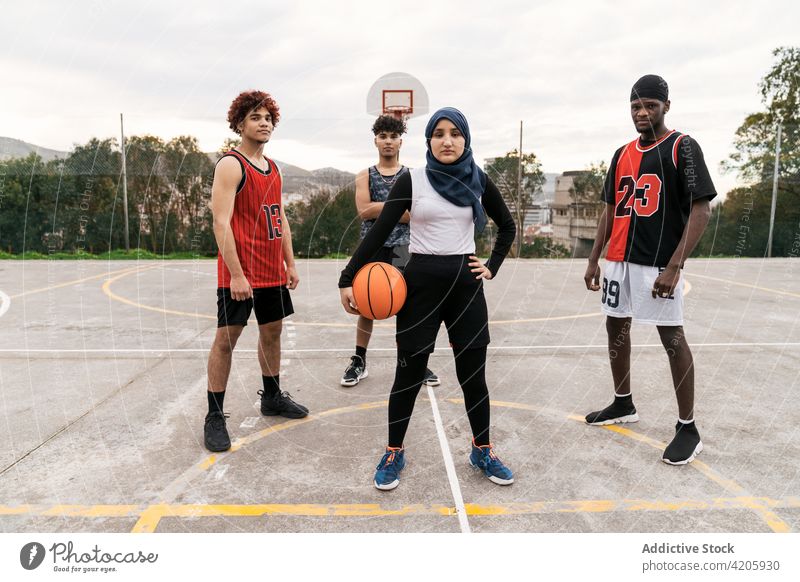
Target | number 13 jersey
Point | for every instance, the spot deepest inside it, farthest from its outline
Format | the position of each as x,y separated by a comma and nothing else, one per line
652,186
256,226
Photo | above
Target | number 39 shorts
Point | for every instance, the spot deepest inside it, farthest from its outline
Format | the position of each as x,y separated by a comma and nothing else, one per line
628,292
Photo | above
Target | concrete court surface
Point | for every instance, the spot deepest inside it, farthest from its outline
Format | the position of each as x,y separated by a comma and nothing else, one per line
102,398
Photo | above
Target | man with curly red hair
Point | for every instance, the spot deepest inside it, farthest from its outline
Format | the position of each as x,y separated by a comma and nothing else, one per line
255,265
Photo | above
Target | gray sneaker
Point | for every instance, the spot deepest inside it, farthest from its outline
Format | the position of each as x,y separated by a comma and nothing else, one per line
431,379
354,372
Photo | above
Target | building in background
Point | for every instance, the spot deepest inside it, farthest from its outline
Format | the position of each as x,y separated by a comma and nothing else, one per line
538,215
574,225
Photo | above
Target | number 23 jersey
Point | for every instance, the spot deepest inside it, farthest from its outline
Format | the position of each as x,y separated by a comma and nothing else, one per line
652,186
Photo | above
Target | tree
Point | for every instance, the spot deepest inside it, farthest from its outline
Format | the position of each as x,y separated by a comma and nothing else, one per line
587,189
326,224
75,203
229,144
740,226
189,174
26,199
65,204
90,209
543,247
518,193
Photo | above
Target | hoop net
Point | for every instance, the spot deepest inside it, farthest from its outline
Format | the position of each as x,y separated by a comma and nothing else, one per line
398,111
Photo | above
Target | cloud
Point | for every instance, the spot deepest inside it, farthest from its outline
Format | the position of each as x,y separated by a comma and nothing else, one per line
564,68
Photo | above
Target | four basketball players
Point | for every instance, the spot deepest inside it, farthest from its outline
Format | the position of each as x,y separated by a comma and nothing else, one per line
657,195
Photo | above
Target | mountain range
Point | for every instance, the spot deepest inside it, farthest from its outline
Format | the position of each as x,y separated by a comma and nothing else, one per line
297,182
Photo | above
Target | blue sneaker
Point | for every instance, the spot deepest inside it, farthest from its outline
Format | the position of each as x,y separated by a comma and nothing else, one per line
483,458
387,474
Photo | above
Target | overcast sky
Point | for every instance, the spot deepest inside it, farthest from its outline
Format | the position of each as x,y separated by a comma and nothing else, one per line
565,68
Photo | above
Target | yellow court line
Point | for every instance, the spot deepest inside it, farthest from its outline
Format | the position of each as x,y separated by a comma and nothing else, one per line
148,523
112,295
125,271
763,507
107,290
150,514
64,510
739,284
92,511
774,522
149,518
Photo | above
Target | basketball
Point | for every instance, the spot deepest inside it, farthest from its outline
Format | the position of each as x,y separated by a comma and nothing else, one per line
379,290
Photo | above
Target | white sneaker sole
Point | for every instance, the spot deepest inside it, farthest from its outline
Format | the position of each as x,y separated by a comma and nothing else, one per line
349,383
697,450
387,487
620,420
491,478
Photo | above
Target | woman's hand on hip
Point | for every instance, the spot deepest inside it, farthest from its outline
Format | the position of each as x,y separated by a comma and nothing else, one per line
480,270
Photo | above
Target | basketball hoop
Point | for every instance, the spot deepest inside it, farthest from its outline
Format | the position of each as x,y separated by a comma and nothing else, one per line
399,95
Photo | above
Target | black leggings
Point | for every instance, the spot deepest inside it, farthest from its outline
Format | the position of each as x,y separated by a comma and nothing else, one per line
410,372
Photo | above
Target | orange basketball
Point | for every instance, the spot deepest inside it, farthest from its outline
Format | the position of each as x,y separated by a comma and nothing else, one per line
379,290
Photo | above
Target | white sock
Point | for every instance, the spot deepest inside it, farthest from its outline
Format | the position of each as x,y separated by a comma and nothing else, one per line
622,395
685,421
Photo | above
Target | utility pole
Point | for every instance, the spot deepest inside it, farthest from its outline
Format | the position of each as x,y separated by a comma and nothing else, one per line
521,232
774,190
124,186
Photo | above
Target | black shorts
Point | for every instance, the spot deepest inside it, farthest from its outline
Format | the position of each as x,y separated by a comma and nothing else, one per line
442,289
271,304
396,256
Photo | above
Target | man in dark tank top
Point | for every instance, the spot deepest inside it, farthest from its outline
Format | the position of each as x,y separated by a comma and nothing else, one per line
372,188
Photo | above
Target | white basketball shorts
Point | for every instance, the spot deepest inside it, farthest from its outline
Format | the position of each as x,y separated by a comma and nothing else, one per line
628,292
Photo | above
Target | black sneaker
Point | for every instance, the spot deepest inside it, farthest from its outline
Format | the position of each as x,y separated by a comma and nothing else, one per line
216,434
684,447
281,404
621,410
354,372
431,379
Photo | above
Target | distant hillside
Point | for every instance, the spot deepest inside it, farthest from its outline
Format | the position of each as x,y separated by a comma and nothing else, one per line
297,182
16,148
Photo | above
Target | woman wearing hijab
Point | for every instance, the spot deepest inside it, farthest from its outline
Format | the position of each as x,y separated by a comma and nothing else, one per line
448,201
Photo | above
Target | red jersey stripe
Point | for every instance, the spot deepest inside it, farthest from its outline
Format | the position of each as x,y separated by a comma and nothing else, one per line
627,165
675,151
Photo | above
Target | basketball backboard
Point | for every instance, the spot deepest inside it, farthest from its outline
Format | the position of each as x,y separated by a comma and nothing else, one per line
398,94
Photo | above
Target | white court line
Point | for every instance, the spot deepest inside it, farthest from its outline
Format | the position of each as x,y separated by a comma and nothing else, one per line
5,303
392,350
455,488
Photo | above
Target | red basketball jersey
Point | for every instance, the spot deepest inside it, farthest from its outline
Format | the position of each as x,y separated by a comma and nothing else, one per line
256,226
